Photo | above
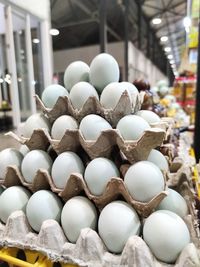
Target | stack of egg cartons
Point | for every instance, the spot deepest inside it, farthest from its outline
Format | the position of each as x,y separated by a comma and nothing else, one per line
90,187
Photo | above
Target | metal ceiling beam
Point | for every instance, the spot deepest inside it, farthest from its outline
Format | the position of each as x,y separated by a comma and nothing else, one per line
159,60
53,3
168,29
89,13
126,38
165,25
169,11
102,26
82,7
170,7
178,31
74,23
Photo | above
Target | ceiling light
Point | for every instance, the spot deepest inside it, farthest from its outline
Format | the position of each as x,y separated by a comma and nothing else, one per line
156,21
169,56
176,73
19,79
167,49
7,80
1,80
171,61
164,39
54,32
36,40
187,22
173,66
34,82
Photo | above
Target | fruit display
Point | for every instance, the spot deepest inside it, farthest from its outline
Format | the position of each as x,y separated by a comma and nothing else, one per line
94,186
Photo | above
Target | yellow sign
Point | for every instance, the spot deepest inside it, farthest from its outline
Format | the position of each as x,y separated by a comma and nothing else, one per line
193,37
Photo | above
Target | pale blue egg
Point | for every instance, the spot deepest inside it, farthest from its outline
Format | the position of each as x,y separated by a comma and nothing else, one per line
51,94
64,165
80,93
35,121
132,127
33,161
76,72
78,213
43,205
98,173
104,69
144,181
166,234
92,125
117,222
9,157
175,203
12,199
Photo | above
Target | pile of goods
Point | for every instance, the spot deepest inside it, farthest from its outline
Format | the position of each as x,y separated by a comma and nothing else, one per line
90,185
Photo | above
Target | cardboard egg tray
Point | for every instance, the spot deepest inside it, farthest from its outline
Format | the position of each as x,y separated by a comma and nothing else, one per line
89,249
64,106
76,185
102,147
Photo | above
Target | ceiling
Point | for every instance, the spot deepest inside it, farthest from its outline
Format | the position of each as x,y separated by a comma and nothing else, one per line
78,22
171,14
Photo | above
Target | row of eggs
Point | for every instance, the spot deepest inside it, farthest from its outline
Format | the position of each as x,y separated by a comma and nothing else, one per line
103,71
131,127
144,180
82,91
116,223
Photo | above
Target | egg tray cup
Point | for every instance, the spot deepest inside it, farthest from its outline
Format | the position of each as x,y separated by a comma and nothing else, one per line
76,185
183,174
89,250
64,106
181,181
191,219
73,139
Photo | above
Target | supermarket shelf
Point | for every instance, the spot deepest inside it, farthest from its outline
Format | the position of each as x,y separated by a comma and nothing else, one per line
195,175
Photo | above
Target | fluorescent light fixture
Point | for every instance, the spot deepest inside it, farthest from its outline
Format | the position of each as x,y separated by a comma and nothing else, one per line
170,56
176,73
54,32
167,49
156,21
34,82
36,40
187,22
7,80
164,39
